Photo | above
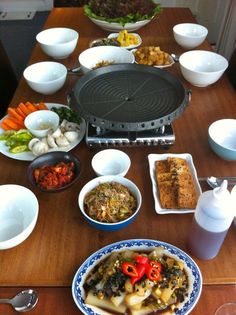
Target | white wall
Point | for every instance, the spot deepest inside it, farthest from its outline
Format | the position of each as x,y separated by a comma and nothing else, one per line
25,5
192,4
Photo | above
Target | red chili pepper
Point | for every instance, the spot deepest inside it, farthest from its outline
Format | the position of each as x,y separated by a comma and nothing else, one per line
141,259
152,273
141,268
156,264
129,269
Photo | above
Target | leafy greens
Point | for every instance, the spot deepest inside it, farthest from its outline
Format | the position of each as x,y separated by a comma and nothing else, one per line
122,11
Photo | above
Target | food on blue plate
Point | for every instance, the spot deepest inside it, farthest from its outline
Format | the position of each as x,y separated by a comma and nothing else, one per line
110,202
152,56
122,11
138,282
175,184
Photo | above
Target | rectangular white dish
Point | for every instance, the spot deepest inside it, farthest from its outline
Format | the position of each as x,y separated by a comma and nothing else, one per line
152,158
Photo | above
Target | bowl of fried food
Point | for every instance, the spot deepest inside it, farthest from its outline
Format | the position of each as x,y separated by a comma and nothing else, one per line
109,202
152,56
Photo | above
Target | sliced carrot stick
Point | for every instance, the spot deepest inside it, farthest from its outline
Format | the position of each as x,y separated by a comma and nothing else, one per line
42,105
18,122
11,124
5,127
19,111
12,112
31,106
24,109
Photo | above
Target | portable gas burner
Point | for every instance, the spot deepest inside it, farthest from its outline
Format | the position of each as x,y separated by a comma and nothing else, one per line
129,104
98,137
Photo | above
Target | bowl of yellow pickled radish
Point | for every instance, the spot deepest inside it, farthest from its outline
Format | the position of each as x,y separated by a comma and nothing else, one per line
126,39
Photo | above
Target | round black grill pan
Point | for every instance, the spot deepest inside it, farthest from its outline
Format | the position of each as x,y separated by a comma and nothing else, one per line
129,97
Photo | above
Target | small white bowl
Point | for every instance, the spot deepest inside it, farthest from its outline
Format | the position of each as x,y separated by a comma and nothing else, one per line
107,179
58,42
45,77
202,68
189,35
40,122
111,162
90,57
222,135
18,215
115,35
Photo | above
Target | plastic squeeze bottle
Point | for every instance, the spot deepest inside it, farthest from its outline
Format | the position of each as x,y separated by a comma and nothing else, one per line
212,219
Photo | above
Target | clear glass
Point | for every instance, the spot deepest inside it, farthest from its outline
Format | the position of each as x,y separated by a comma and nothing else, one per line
226,309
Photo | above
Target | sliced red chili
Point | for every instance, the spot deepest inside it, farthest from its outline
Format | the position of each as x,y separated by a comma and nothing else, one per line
152,273
141,268
129,269
156,264
141,259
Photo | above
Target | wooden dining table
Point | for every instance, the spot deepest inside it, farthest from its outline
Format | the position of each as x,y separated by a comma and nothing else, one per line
49,258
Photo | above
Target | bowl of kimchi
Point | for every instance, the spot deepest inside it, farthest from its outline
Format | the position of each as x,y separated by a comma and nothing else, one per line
109,202
54,171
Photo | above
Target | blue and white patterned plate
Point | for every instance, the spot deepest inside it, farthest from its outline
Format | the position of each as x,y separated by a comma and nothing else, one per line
195,278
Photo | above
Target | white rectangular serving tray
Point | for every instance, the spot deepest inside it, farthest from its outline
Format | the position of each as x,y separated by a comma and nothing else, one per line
152,158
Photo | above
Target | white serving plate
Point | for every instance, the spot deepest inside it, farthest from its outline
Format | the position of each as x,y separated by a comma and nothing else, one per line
160,67
28,156
114,27
152,158
195,278
115,35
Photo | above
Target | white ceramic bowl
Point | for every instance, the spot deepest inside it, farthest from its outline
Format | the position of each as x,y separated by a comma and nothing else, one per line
189,35
115,35
90,57
202,68
45,77
18,214
111,162
106,179
114,27
58,42
41,121
221,136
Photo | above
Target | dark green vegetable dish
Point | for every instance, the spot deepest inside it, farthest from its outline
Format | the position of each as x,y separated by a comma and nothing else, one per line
122,11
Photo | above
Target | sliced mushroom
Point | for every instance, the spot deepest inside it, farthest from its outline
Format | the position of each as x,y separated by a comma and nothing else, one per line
39,148
32,142
62,141
51,141
56,133
71,135
70,126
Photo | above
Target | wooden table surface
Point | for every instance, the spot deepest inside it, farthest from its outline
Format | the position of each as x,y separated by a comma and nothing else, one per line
62,240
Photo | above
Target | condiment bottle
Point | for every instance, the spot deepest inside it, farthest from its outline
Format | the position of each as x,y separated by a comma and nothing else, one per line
212,219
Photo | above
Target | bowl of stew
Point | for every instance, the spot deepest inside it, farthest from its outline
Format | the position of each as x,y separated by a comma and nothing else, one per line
109,202
54,171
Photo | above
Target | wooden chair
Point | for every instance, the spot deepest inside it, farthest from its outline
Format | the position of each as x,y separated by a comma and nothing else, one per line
8,81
